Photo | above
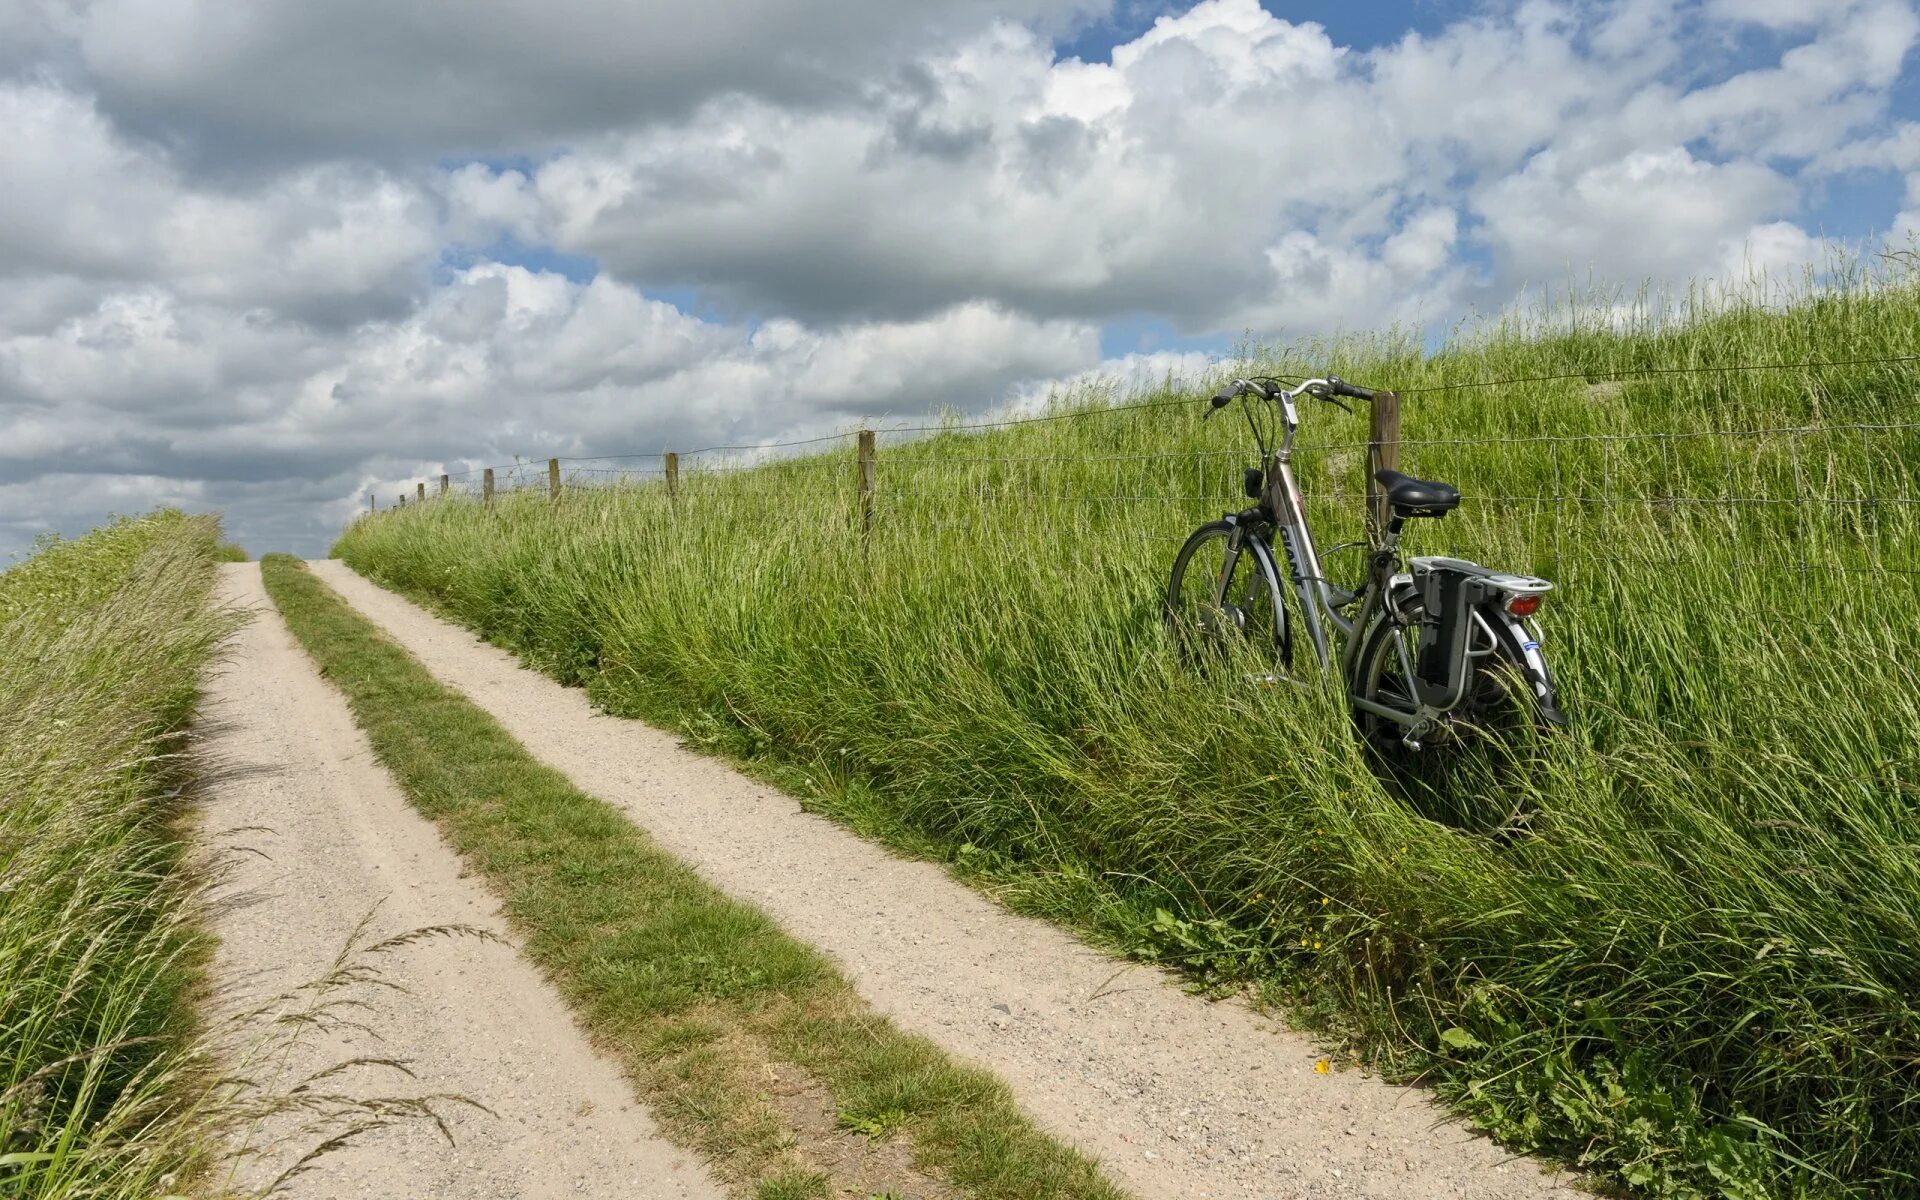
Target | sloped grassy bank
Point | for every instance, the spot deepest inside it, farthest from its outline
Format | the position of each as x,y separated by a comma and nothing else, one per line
1693,969
102,1090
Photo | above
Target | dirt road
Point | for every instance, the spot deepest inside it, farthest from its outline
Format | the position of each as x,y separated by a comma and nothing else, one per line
475,1019
1178,1096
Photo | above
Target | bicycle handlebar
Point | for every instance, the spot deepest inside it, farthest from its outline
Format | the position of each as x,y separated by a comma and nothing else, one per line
1325,389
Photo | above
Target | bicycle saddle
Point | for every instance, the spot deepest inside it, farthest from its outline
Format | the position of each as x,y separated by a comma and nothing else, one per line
1418,497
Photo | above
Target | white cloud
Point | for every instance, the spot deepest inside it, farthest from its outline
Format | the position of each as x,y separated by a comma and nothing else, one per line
1219,163
1655,214
1485,94
1424,244
224,266
78,197
270,80
1773,256
1818,93
499,362
28,509
1114,378
1068,189
1775,14
1904,233
329,242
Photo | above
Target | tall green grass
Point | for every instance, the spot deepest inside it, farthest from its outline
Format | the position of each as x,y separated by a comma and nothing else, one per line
104,1091
1694,969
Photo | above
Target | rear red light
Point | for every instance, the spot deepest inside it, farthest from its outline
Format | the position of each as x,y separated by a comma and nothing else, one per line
1524,606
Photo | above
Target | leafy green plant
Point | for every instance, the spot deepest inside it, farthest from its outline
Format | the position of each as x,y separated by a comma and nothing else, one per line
873,1125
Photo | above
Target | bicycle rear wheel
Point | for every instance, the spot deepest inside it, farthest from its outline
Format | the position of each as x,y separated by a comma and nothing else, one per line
1471,773
1496,703
1208,624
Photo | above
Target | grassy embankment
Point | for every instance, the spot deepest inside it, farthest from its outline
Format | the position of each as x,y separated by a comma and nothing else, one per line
1693,972
714,1011
105,1086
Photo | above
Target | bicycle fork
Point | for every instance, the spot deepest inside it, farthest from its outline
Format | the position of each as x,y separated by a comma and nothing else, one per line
1236,545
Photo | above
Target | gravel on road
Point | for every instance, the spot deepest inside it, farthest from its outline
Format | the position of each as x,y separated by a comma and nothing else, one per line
331,838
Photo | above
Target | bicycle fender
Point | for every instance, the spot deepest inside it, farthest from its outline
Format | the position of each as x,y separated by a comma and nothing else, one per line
1523,649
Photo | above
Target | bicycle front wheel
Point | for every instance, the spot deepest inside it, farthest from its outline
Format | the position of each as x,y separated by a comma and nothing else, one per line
1208,622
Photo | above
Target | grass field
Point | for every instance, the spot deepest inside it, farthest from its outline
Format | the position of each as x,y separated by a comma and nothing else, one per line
104,1087
1693,971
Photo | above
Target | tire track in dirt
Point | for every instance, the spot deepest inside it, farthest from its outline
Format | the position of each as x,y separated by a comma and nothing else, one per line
285,761
1178,1096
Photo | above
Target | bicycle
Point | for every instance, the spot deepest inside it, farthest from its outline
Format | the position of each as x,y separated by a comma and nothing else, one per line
1429,652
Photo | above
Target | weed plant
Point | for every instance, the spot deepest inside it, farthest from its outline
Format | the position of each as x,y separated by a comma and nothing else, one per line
1691,965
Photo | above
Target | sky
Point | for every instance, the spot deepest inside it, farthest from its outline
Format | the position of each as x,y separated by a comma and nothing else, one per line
268,258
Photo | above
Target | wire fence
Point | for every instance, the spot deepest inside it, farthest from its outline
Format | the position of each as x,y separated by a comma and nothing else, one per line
1834,497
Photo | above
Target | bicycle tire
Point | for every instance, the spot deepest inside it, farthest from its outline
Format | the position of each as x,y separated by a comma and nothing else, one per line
1202,633
1499,681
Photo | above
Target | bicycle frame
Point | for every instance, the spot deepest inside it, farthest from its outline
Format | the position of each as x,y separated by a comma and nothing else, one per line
1320,602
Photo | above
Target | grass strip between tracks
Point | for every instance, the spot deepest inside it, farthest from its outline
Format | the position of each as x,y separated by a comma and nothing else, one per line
728,1027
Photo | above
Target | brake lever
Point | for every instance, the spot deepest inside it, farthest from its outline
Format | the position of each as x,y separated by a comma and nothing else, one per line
1337,404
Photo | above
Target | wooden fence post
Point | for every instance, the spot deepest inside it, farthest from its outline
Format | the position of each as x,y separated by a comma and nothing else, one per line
403,501
1383,453
371,507
866,481
443,484
420,491
553,479
486,488
673,474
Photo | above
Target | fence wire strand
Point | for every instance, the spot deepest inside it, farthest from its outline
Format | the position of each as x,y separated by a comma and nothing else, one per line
1830,507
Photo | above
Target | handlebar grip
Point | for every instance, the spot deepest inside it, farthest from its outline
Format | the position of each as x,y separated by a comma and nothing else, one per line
1340,387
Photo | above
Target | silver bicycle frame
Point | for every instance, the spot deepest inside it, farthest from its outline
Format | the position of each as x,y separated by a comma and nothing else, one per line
1317,596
